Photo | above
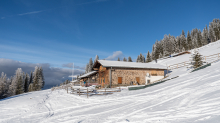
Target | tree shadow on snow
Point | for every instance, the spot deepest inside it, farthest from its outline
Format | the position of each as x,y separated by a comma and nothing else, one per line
14,96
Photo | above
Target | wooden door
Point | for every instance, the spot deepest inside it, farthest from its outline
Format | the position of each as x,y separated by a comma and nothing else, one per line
102,81
138,80
119,80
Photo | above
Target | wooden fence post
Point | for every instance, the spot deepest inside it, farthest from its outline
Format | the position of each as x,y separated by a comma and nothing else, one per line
218,55
67,89
87,92
205,58
79,91
105,91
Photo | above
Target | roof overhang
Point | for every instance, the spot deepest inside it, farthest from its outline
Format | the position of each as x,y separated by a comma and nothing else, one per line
119,64
87,75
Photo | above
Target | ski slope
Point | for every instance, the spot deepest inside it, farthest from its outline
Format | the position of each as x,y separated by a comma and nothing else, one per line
190,98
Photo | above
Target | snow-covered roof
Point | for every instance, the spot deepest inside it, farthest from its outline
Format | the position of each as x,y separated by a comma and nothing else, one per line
122,64
75,81
88,74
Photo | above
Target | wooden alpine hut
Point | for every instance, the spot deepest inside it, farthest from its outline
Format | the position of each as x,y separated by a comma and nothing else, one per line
113,73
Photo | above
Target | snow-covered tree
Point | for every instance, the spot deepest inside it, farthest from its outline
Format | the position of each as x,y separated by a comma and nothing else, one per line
90,65
138,59
129,59
142,58
87,68
199,39
183,40
205,36
26,83
196,59
3,85
148,58
41,78
30,87
160,56
96,58
36,79
20,86
183,50
124,59
189,41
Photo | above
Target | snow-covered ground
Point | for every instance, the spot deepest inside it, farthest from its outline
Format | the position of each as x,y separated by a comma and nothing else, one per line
192,97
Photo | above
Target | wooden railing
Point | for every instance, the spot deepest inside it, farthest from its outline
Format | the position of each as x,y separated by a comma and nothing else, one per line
206,59
89,92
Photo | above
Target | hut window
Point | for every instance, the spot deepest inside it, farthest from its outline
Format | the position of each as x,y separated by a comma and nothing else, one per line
119,80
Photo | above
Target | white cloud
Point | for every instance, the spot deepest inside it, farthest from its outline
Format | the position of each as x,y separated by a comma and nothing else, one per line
115,55
53,76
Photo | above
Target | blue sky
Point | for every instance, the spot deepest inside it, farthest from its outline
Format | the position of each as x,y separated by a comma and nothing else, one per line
64,31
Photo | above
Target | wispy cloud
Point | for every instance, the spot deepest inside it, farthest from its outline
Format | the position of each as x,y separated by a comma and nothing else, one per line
115,55
97,1
70,65
36,12
28,13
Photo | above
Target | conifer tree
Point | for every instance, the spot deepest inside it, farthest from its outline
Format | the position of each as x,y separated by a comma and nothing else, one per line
96,58
183,50
41,78
30,87
189,41
196,59
142,58
87,68
20,86
160,56
148,58
124,59
119,59
138,59
90,65
26,83
205,36
173,45
3,86
157,49
183,41
199,40
36,80
211,32
129,59
178,46
31,78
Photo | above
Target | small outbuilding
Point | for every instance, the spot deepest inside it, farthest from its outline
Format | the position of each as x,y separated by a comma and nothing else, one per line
114,73
89,78
182,53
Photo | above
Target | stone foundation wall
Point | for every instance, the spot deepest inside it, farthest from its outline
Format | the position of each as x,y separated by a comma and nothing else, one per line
129,75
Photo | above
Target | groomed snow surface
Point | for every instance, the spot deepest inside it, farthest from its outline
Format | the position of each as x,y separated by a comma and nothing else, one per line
190,98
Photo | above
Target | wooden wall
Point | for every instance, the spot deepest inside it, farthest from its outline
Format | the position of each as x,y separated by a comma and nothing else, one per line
127,74
103,76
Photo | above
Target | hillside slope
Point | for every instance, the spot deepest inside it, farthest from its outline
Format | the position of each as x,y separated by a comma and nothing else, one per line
192,97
